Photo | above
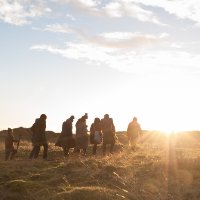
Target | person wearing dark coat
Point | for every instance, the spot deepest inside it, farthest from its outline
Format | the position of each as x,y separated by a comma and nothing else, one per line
66,140
133,132
108,130
95,134
81,135
10,151
39,137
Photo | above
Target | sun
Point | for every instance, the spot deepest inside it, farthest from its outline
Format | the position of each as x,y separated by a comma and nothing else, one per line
169,127
169,132
165,109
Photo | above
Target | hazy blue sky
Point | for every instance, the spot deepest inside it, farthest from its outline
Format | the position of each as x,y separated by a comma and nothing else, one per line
122,57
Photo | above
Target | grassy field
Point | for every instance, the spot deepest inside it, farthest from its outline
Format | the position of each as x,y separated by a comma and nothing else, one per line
163,167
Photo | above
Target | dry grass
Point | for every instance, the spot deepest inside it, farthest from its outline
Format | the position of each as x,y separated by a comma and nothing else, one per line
162,168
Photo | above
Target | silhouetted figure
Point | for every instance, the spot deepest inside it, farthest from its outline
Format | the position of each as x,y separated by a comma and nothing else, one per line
10,151
95,134
39,137
66,140
133,132
108,130
81,134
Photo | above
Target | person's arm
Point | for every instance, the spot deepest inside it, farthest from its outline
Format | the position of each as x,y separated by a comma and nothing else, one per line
92,129
13,139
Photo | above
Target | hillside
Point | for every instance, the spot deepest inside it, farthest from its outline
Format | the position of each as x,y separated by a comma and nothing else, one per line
162,167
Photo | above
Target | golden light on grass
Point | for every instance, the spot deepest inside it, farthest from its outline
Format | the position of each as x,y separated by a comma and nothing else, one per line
162,167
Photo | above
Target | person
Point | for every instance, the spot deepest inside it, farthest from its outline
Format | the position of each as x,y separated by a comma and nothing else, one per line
66,140
95,134
10,151
81,135
133,132
39,137
108,130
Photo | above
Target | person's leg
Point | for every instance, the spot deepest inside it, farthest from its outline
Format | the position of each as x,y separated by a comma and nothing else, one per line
77,150
65,151
7,154
13,152
84,151
94,150
133,144
104,149
111,147
36,151
31,156
45,151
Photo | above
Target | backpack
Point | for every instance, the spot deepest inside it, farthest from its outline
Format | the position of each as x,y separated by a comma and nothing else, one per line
98,137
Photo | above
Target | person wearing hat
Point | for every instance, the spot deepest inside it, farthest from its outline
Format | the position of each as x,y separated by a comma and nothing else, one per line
133,133
66,139
39,137
10,151
108,130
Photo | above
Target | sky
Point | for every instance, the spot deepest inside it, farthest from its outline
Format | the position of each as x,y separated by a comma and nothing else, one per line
122,57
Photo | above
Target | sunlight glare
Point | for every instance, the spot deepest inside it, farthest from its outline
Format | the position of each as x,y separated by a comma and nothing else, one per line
156,109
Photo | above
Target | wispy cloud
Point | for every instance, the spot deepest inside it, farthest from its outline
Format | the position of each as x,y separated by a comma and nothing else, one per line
18,12
71,17
183,9
114,9
140,61
89,6
109,39
84,3
61,28
127,39
129,9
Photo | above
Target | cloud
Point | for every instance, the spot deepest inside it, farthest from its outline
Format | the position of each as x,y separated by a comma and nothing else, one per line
89,6
61,28
129,9
18,12
183,9
113,9
71,17
104,47
109,39
142,59
78,51
127,39
83,3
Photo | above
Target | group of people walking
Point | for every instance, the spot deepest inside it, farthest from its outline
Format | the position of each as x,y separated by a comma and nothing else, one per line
102,131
